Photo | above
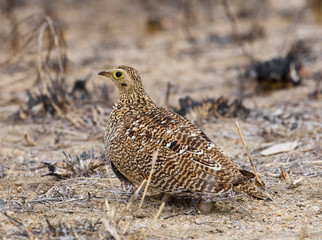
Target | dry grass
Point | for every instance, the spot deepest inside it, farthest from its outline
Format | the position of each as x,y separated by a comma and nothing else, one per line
191,52
258,179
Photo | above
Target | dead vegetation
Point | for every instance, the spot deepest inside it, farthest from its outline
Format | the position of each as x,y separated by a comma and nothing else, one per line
280,72
84,165
53,111
209,110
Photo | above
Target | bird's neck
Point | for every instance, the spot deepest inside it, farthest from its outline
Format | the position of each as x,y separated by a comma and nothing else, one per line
134,99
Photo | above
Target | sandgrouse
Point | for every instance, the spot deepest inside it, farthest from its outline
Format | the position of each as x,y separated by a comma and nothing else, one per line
187,160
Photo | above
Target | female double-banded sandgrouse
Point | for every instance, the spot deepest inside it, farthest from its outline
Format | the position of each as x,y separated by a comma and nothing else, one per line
186,159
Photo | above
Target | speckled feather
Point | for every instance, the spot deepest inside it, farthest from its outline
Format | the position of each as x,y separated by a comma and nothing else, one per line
187,160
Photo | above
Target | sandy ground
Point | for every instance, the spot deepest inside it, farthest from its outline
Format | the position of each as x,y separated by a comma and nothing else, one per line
194,52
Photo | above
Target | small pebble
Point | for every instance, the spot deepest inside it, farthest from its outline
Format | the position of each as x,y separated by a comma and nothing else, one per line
315,208
300,204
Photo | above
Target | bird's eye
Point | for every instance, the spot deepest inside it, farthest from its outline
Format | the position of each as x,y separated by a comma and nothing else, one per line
118,75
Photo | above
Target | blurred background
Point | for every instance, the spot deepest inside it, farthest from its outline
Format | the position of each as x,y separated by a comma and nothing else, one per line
193,45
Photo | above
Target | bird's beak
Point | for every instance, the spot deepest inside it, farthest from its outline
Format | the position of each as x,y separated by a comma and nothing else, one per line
104,73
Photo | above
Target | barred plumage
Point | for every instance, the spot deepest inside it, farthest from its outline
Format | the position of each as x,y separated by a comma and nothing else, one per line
187,160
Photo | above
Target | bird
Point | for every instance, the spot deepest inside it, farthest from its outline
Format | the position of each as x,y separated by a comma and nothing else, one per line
141,137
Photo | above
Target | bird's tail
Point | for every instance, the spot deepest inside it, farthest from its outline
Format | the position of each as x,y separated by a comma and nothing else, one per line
249,188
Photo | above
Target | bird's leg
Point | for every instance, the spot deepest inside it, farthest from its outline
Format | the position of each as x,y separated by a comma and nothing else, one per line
205,207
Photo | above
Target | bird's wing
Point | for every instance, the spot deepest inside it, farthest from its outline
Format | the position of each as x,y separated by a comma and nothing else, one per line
186,152
179,135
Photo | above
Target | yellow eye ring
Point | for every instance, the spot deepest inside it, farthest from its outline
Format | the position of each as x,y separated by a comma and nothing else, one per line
118,75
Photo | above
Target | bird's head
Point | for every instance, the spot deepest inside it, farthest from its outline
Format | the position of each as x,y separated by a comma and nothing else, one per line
127,79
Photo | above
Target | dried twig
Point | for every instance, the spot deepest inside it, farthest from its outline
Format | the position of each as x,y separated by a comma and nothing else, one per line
258,179
167,93
109,176
111,224
29,142
188,17
75,120
23,47
154,158
19,225
57,46
234,29
135,194
41,200
164,200
288,179
240,206
112,227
